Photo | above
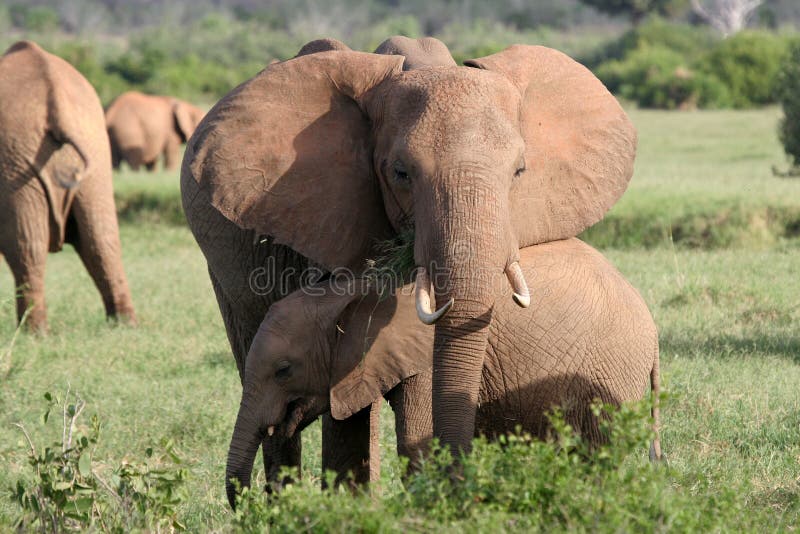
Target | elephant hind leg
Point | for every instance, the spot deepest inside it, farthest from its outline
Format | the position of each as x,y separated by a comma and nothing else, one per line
172,153
93,230
27,257
134,157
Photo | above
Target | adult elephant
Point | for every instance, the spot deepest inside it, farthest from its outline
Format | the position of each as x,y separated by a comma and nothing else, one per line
55,180
143,127
315,159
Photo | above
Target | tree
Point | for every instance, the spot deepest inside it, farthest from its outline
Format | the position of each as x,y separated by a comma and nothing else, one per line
726,16
637,9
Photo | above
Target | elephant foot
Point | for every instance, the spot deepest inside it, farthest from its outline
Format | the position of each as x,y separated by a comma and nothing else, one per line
656,454
126,317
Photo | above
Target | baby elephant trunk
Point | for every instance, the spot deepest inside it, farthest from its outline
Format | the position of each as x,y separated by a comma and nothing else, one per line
246,439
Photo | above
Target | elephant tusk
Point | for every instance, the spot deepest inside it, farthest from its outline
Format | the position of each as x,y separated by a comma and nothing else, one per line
517,280
423,298
270,430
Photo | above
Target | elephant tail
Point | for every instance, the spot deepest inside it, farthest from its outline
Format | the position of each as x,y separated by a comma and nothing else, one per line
62,118
655,411
60,129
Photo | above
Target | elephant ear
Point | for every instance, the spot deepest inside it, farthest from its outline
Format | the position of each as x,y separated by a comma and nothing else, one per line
184,118
580,144
380,343
289,154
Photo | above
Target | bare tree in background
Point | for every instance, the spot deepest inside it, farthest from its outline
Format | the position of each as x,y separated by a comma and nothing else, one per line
726,16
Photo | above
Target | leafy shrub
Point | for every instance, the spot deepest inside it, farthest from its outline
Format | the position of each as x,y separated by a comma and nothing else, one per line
34,18
691,42
67,490
748,64
788,91
520,484
657,77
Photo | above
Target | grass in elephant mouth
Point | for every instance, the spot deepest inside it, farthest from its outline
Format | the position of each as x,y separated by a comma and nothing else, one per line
395,260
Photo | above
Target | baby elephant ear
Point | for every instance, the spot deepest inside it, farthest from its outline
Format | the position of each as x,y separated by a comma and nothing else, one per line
289,154
380,342
580,144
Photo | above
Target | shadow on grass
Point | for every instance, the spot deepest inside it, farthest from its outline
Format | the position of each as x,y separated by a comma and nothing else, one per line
150,207
719,227
726,346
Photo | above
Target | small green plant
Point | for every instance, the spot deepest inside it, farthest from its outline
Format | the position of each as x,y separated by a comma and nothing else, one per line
67,492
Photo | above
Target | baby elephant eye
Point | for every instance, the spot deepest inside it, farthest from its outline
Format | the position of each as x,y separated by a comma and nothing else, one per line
284,371
400,173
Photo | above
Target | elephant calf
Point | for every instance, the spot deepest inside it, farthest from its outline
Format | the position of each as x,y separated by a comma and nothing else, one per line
143,127
589,337
55,180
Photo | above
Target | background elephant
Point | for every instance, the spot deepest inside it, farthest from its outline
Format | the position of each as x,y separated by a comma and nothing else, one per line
55,179
331,345
143,127
315,159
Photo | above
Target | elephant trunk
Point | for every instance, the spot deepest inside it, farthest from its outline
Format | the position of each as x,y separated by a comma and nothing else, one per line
247,436
467,253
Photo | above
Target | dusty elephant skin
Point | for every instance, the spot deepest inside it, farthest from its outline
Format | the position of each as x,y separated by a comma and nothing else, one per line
326,153
592,338
142,128
55,180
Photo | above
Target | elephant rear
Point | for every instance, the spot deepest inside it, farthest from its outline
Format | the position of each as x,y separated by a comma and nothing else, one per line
588,336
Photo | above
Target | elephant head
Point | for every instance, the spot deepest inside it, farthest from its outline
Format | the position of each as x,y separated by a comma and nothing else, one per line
319,349
329,152
418,53
321,45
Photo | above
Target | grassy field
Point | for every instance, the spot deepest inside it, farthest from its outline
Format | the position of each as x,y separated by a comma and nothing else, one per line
725,292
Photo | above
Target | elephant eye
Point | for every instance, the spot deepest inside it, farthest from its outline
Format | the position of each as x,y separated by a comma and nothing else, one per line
283,372
400,173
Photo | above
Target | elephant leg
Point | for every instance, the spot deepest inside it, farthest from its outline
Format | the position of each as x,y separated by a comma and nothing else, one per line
93,230
134,157
27,264
411,402
151,165
116,157
172,153
352,446
27,243
279,453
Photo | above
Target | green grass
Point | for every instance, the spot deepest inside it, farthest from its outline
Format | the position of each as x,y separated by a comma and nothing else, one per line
728,317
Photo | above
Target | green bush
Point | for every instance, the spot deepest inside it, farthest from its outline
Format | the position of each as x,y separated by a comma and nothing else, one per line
691,42
34,18
658,77
748,64
788,91
68,490
523,485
